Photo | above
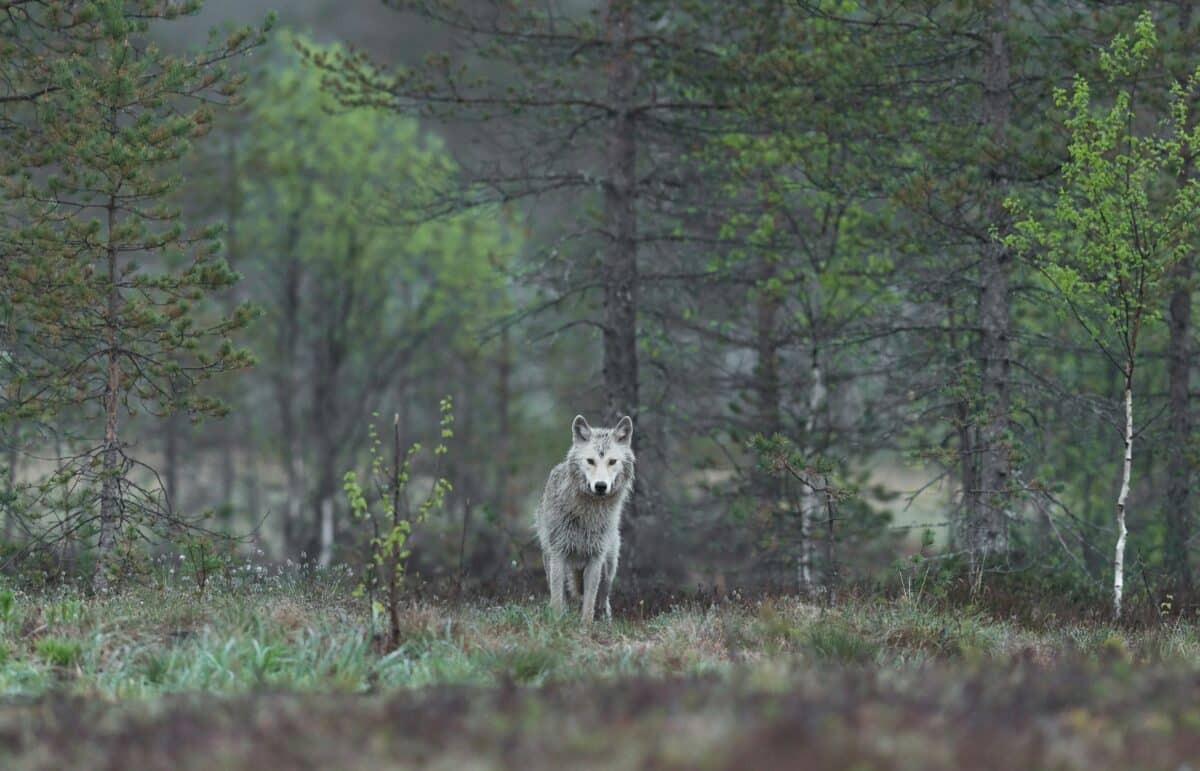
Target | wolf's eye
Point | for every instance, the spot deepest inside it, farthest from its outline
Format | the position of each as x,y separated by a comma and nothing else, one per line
591,461
612,461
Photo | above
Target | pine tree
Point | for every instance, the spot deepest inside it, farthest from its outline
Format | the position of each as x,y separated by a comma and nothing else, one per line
798,269
108,283
584,110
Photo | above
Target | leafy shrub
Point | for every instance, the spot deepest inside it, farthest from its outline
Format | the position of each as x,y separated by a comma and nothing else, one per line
387,552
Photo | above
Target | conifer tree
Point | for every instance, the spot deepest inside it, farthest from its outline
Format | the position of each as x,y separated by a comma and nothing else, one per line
107,283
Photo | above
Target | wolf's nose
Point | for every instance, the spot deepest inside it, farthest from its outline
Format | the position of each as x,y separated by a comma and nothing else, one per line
601,486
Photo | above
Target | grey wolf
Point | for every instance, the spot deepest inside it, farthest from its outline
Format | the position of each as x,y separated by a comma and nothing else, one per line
579,518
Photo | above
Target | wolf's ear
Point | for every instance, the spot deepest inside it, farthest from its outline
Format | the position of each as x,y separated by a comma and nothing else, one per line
624,430
580,430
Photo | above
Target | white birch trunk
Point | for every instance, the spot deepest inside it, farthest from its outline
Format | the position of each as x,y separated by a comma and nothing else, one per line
804,562
1122,497
810,500
325,558
295,499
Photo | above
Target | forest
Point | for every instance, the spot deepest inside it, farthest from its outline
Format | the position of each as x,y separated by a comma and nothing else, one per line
299,300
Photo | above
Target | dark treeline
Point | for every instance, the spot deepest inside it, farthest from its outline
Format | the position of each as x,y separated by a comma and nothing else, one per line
873,279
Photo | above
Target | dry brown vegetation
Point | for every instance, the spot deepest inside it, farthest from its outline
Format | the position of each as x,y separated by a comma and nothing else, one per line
1001,715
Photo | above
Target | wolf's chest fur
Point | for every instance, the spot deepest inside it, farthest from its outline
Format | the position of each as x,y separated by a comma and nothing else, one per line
585,528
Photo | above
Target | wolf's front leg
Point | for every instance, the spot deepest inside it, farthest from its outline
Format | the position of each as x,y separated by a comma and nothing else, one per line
610,572
555,575
591,583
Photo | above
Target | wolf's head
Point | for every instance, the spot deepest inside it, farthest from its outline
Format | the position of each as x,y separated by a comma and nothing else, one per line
602,458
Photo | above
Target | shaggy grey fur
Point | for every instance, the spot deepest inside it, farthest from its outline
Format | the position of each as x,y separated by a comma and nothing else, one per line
579,519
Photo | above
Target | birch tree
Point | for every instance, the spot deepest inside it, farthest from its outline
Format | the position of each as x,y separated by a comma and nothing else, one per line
358,306
1124,217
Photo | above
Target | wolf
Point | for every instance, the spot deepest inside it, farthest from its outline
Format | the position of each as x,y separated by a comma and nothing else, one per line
579,518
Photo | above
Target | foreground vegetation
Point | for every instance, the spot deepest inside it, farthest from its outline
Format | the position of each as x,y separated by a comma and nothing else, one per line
1070,717
286,672
289,633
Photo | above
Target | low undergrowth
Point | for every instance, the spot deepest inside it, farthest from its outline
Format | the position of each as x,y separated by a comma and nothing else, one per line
310,635
280,671
1085,715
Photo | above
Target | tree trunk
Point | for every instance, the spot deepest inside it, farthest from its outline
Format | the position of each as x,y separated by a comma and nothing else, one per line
504,496
252,487
989,531
767,391
969,478
460,463
325,383
324,546
171,460
321,537
110,489
1179,469
620,276
229,442
10,489
294,466
326,380
620,271
967,434
811,511
766,371
285,397
1122,497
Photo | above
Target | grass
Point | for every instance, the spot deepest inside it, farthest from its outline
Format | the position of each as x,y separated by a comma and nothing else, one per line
314,637
290,668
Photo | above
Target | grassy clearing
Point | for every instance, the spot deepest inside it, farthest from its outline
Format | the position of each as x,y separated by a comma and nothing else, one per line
314,637
288,667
